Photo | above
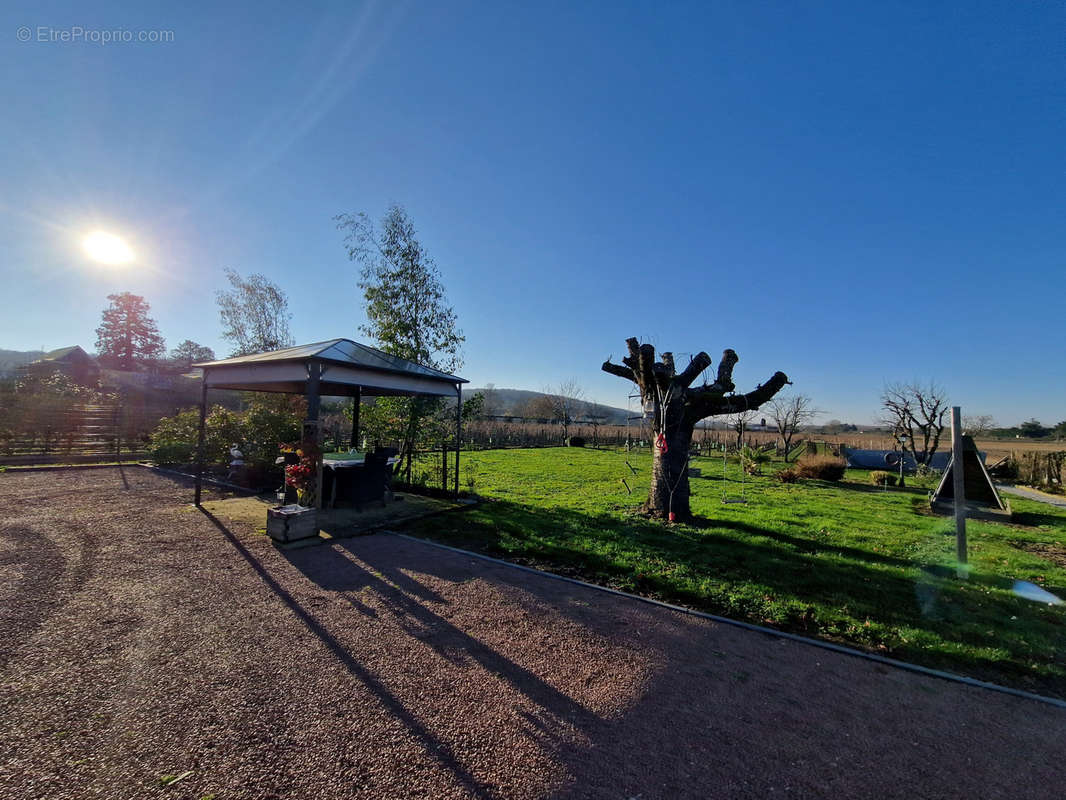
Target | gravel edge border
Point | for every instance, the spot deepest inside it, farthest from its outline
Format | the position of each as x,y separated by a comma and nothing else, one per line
836,648
205,478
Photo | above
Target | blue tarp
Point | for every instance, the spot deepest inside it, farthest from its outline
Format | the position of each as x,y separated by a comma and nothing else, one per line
876,459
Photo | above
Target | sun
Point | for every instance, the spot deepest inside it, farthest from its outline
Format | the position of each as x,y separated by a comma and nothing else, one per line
107,248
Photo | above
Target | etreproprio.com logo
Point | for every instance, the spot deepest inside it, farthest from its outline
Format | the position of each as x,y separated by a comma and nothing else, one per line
78,34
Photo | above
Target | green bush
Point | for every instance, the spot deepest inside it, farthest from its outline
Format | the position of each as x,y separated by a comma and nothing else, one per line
881,478
174,439
264,425
823,468
753,459
257,432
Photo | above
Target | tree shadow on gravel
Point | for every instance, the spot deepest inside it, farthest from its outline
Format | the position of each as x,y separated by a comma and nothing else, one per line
405,599
435,747
735,574
732,721
34,595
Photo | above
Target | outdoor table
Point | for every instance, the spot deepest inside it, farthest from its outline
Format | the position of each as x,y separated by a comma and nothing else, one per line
355,461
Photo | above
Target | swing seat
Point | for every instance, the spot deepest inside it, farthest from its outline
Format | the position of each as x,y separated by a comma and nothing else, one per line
734,500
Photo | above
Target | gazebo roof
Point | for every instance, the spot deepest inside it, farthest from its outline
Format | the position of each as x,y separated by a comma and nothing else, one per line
347,367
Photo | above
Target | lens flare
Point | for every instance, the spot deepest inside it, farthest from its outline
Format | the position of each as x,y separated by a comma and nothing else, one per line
107,248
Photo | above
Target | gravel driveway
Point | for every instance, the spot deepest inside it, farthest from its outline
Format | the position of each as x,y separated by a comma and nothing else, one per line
141,639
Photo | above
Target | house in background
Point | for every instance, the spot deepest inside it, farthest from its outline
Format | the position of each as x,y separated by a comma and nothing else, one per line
73,362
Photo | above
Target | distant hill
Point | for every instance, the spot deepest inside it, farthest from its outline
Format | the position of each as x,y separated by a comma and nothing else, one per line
11,360
512,402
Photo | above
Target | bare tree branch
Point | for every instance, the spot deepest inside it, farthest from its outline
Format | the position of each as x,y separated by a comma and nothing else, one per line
724,381
692,371
789,414
620,371
979,425
709,401
647,367
668,362
917,411
633,359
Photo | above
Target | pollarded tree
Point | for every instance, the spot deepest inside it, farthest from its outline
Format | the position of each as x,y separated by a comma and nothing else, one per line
676,408
127,334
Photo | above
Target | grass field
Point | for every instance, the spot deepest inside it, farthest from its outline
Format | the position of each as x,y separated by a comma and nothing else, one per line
848,562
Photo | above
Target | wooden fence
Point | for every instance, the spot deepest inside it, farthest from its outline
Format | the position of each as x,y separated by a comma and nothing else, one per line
49,430
1043,470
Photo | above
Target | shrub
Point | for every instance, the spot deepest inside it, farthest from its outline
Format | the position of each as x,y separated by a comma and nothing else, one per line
787,476
575,441
257,432
881,478
823,468
753,459
174,439
266,423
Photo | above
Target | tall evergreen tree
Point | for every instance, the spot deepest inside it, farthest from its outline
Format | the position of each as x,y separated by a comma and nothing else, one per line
127,334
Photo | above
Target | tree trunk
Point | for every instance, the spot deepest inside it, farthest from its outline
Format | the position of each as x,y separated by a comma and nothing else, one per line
677,408
669,491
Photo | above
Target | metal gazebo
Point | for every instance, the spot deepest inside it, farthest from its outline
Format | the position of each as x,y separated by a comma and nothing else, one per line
334,368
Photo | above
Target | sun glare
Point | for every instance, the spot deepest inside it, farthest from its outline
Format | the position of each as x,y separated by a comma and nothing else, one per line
107,248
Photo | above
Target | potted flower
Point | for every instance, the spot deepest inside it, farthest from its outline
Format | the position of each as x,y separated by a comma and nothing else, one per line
289,523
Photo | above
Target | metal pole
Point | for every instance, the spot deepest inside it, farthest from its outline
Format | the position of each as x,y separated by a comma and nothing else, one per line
314,375
200,438
355,416
458,431
958,479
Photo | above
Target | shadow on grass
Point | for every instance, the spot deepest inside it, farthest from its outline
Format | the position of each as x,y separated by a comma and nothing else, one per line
801,544
1033,519
869,488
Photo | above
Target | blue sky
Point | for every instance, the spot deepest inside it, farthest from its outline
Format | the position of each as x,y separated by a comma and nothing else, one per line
849,192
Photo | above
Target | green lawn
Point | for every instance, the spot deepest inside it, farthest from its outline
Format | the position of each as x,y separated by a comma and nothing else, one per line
847,562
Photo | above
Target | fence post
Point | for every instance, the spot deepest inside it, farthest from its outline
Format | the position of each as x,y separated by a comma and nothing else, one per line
118,431
959,490
444,465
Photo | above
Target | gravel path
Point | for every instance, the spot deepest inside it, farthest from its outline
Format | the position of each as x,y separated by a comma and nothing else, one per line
140,639
1029,494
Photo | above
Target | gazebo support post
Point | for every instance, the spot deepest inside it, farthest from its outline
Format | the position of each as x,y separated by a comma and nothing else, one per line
314,378
200,439
458,431
355,416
